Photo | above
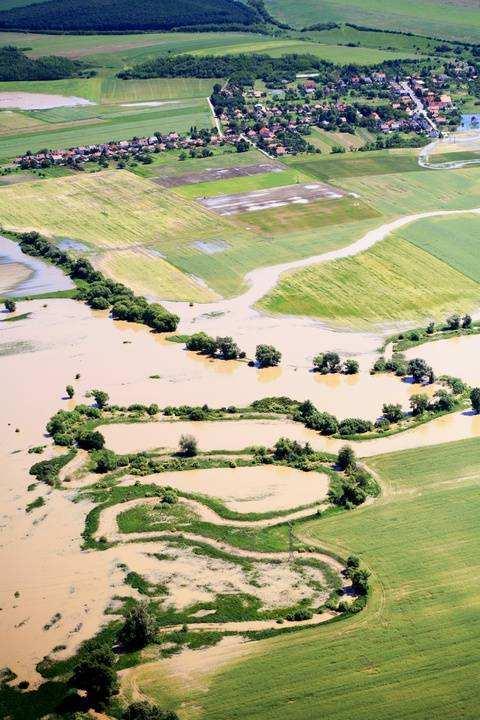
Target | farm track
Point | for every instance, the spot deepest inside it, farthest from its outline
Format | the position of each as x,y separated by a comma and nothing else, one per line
262,280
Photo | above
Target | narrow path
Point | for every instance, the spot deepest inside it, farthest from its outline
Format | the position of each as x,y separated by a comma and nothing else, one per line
424,156
263,280
216,121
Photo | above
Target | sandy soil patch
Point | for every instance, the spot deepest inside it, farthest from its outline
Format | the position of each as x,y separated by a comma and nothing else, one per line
39,101
300,194
220,174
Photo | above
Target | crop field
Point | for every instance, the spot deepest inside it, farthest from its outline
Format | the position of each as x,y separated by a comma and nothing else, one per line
310,217
103,124
327,140
299,195
453,240
394,280
356,165
241,180
449,19
413,651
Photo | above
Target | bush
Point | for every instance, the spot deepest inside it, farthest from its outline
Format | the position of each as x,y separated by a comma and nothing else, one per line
354,426
328,362
419,403
453,322
10,305
100,397
70,391
188,445
393,413
105,461
475,399
299,615
420,370
350,367
143,710
346,459
325,423
202,343
228,349
140,628
90,440
267,356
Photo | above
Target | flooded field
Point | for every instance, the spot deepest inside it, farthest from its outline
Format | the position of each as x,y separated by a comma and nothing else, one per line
249,489
456,356
22,274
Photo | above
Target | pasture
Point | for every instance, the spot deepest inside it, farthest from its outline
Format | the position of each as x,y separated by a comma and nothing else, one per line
449,19
413,651
394,280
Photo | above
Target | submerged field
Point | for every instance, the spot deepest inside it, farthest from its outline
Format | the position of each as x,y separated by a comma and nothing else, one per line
412,652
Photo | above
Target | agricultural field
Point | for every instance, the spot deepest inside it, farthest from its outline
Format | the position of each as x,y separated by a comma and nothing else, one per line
448,19
274,178
412,652
392,281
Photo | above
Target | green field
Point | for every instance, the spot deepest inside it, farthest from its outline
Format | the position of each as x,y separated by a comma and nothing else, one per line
449,19
453,240
394,280
356,165
413,653
247,183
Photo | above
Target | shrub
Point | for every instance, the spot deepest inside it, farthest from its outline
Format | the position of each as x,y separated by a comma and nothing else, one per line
475,399
346,458
96,676
328,362
420,371
267,356
419,403
228,349
393,413
453,322
10,305
105,461
354,426
323,422
466,321
188,445
299,615
143,710
90,440
350,367
70,391
202,343
444,401
100,397
140,628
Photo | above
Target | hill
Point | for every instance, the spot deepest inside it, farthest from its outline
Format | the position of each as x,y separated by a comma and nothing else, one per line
123,16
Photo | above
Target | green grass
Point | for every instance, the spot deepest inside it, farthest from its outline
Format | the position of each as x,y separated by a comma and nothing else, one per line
394,280
455,240
248,183
450,19
296,218
355,165
413,652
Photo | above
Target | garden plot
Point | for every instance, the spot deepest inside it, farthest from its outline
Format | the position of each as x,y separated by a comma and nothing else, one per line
298,194
220,174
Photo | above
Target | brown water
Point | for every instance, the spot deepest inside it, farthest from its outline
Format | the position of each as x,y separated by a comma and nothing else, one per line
456,356
40,552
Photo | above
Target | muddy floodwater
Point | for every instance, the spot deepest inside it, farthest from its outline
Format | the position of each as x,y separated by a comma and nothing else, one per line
456,356
249,489
44,572
22,275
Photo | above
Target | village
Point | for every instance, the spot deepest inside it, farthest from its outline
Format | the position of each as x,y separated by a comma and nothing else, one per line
396,112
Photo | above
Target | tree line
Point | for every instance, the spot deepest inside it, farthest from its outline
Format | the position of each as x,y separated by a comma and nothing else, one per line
122,15
15,65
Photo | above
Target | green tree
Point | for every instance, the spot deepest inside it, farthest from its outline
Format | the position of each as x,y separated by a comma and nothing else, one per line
90,440
466,321
419,403
350,367
10,305
143,710
100,397
393,413
419,370
346,458
188,445
95,675
475,399
328,362
140,628
106,461
267,356
70,391
228,349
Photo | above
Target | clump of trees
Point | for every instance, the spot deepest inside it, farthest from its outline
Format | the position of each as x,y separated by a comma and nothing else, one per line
139,629
98,291
143,710
188,445
16,66
223,347
352,488
95,675
329,362
420,371
267,356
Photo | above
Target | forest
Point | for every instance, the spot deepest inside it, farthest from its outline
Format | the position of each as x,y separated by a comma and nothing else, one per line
15,65
124,16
